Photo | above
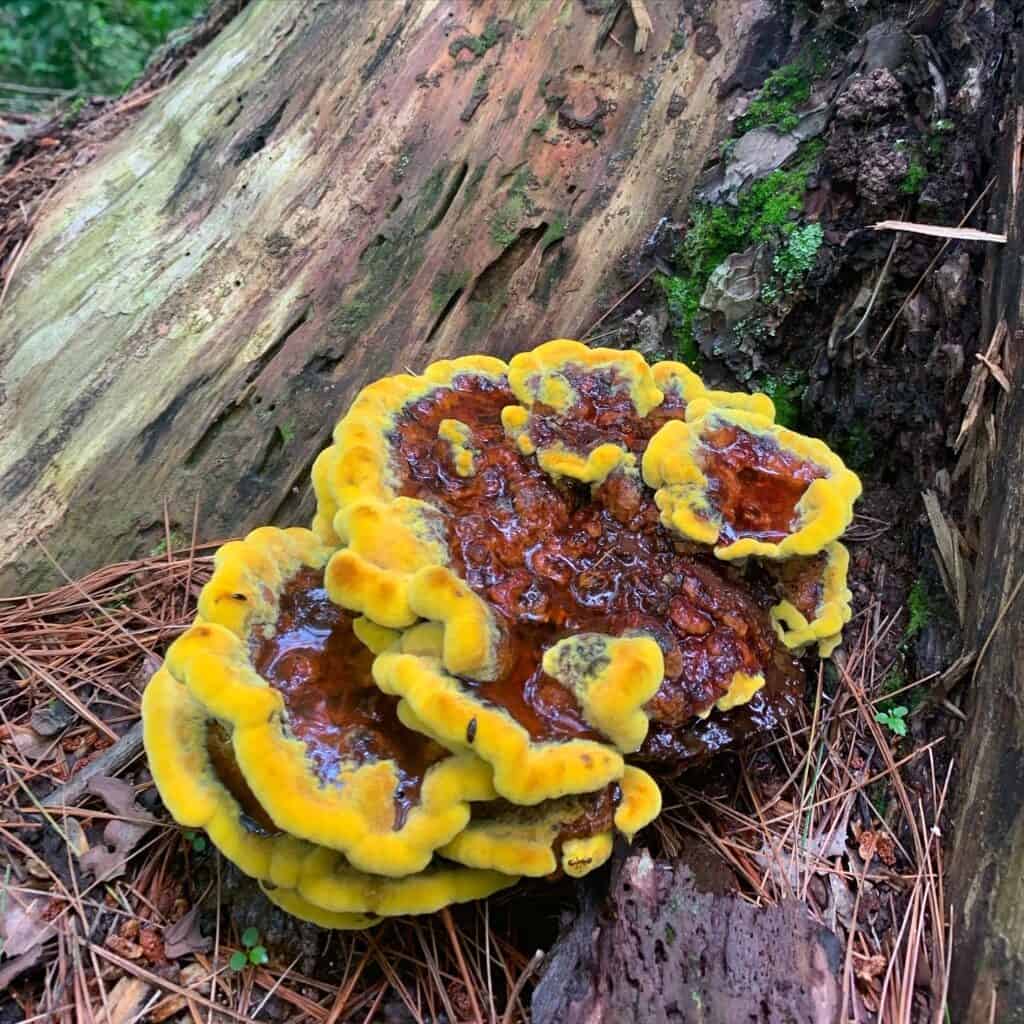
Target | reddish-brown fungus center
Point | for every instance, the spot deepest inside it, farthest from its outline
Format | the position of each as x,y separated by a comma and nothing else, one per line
753,483
554,558
321,669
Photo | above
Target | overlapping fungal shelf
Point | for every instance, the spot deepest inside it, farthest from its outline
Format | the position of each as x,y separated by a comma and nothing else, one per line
527,586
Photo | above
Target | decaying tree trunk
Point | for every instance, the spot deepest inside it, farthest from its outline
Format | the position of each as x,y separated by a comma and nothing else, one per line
987,867
330,193
673,945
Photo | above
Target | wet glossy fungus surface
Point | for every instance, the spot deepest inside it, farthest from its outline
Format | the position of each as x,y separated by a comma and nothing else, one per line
800,581
753,483
603,412
553,558
728,730
320,668
225,767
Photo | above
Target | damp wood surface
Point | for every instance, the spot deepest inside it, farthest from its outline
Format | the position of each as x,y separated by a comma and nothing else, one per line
317,201
987,862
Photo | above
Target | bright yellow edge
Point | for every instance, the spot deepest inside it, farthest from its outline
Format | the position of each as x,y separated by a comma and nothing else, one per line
525,772
671,466
385,544
174,733
357,466
612,678
833,611
355,813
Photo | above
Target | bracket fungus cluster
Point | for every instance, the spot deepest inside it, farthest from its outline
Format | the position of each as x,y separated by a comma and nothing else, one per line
526,585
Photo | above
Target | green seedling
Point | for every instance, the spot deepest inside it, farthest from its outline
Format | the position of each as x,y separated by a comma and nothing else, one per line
895,719
254,953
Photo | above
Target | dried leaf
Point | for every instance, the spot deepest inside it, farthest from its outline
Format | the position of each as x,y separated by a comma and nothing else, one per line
184,937
123,947
11,969
152,946
76,836
52,718
872,843
109,859
119,796
125,1000
870,967
22,926
31,744
939,231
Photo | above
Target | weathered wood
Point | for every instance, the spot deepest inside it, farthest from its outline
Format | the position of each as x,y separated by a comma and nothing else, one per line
673,947
331,192
987,844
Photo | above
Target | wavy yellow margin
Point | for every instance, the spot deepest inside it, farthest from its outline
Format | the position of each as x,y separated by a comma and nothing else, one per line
354,813
671,464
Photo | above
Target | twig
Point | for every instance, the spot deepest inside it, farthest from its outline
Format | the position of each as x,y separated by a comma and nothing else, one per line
517,988
600,320
112,760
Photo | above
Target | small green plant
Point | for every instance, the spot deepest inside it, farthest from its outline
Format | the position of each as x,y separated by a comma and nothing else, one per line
196,840
783,91
919,608
253,953
914,179
795,260
786,391
895,719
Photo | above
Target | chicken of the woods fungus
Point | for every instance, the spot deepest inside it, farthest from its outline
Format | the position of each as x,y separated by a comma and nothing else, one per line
528,589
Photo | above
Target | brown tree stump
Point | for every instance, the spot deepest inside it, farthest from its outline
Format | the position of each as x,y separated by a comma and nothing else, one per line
328,194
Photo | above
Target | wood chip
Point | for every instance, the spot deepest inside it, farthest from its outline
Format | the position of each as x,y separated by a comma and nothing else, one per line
939,231
996,370
954,571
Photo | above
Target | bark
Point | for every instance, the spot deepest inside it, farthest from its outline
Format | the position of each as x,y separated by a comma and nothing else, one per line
673,946
987,866
331,193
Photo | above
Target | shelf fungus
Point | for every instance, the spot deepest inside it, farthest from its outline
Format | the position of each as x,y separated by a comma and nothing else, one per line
523,581
202,784
278,663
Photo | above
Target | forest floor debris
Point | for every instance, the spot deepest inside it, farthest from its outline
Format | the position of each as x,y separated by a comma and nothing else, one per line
838,812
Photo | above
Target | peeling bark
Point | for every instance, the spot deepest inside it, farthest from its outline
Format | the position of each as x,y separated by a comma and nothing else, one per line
321,199
987,865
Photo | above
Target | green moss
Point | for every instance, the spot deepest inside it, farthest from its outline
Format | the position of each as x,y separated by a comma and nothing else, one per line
480,86
783,91
505,222
554,232
445,285
857,447
793,262
913,181
178,541
786,390
477,45
287,431
919,608
541,125
766,212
